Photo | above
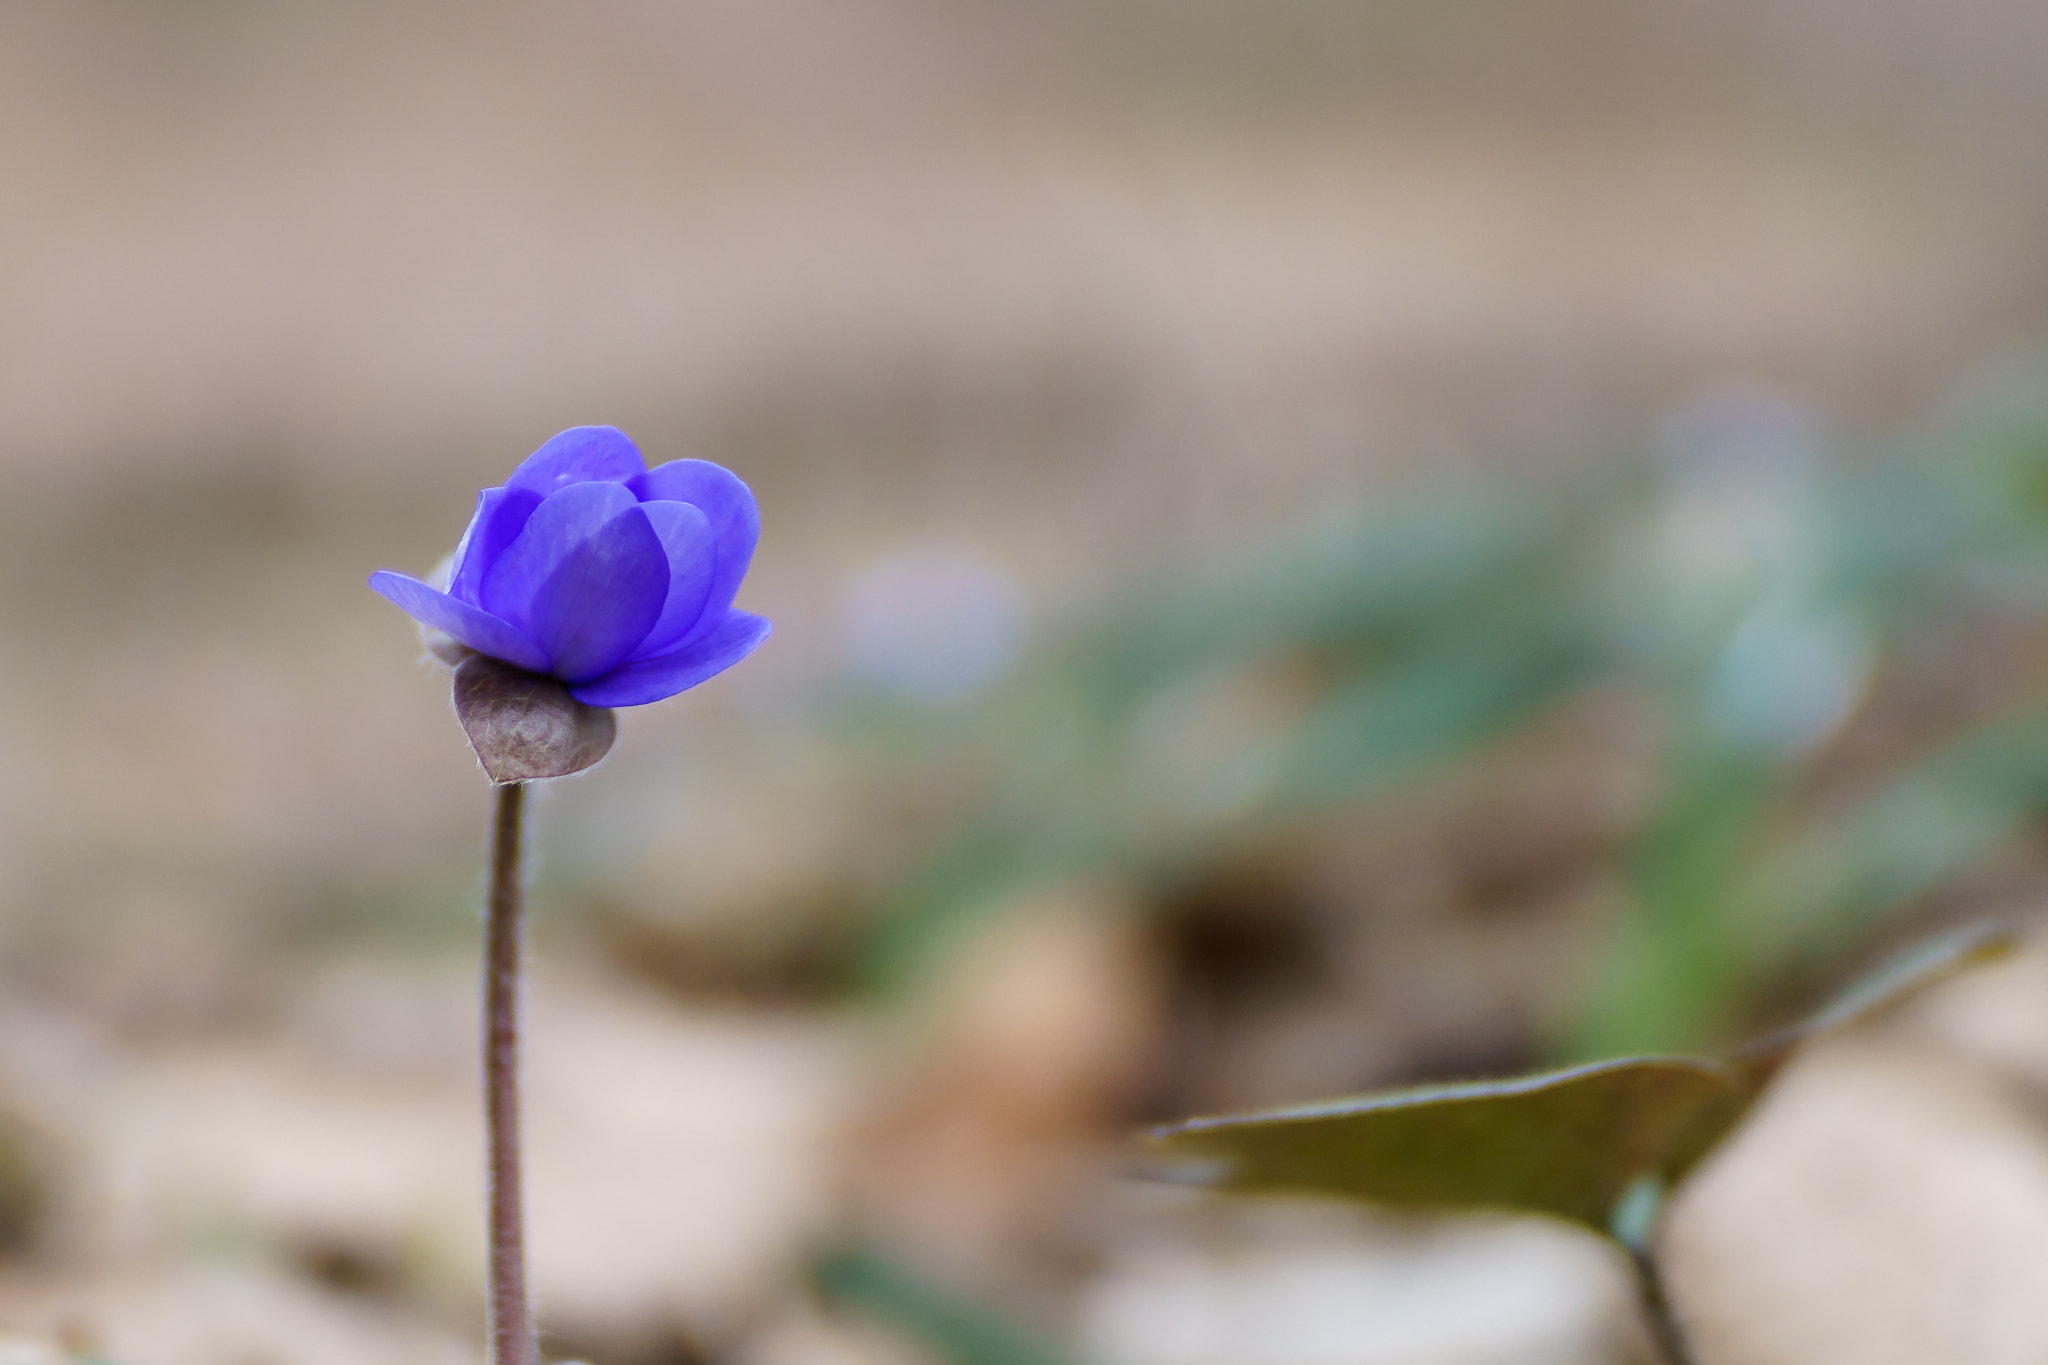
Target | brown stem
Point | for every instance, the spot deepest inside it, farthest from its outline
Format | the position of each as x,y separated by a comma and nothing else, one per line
1656,1305
510,1323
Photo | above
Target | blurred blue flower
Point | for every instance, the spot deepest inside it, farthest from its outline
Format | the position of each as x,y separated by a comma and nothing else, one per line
592,569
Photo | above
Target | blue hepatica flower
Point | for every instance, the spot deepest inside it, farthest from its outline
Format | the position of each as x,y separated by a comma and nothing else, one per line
590,568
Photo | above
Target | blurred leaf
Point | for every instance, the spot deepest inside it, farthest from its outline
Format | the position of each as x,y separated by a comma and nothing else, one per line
1394,722
1418,637
1901,839
1568,1144
1356,583
1565,1143
1393,645
1669,974
1721,903
1882,991
957,1330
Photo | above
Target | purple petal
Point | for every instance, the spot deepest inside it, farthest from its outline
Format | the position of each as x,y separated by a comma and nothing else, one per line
501,514
579,455
735,521
586,579
473,626
636,684
692,557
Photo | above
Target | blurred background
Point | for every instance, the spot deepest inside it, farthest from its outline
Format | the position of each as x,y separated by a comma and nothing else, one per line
1314,546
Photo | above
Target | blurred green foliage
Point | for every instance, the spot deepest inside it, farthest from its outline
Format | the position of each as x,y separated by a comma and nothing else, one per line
1754,583
952,1328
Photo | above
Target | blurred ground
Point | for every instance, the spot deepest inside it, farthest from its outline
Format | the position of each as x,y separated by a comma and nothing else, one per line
1065,294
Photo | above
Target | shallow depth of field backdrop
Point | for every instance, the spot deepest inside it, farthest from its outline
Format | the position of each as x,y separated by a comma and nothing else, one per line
1314,545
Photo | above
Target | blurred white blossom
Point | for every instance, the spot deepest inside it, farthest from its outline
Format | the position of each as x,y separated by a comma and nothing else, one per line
932,623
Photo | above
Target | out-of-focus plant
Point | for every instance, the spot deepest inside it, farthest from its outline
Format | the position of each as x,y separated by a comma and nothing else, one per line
1600,1145
1754,585
587,581
953,1329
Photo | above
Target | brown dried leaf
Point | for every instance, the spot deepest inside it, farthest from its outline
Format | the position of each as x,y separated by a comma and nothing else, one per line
525,727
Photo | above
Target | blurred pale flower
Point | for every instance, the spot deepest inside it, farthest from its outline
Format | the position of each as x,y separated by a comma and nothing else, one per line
1739,511
1788,677
932,624
590,568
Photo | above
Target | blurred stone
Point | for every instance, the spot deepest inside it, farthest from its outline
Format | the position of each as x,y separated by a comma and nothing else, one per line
230,1313
1040,1037
14,1351
1325,1285
1885,1205
1996,1016
263,1143
677,1163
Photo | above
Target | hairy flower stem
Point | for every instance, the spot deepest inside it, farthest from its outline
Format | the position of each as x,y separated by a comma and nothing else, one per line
1656,1305
510,1322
